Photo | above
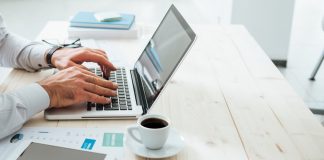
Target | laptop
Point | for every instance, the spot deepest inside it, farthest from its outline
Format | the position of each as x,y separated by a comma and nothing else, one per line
140,86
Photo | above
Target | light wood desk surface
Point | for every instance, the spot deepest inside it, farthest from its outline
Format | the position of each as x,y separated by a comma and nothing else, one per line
227,99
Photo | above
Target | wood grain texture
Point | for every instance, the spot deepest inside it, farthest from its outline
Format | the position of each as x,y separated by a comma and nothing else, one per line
305,132
226,99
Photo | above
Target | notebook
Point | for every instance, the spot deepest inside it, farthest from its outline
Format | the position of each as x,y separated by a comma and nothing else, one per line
88,20
99,33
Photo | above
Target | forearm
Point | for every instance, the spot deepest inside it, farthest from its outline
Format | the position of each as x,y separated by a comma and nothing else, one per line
16,107
18,52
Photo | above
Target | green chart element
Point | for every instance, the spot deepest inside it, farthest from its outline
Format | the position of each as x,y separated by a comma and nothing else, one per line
113,140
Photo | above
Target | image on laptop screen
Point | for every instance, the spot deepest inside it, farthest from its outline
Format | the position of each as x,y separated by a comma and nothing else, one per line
163,53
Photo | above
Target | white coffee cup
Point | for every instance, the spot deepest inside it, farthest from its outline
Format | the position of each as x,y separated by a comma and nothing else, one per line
153,130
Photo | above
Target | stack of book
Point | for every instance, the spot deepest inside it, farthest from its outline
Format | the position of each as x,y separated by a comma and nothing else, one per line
102,25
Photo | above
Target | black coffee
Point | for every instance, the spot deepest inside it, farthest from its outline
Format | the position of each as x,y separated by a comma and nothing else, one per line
154,123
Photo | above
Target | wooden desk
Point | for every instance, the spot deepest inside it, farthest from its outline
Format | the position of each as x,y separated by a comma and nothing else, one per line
227,99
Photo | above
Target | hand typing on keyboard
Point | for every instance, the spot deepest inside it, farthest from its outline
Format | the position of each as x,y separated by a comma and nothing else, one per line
68,57
75,85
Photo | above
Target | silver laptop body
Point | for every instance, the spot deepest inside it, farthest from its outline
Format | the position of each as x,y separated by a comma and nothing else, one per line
139,87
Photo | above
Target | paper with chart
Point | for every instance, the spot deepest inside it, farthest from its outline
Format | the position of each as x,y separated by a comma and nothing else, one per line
100,140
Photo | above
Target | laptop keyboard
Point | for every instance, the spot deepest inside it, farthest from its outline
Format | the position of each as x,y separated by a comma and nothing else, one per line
122,100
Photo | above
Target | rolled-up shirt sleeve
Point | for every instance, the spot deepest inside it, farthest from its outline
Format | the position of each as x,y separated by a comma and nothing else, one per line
17,106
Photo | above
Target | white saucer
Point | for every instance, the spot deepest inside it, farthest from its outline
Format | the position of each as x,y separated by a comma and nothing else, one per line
172,146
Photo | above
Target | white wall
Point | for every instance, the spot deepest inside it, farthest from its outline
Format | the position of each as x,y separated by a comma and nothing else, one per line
34,14
269,21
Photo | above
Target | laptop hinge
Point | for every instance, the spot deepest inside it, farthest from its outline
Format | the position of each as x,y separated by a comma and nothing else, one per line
139,91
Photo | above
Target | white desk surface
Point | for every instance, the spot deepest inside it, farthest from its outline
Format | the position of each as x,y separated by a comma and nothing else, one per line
227,99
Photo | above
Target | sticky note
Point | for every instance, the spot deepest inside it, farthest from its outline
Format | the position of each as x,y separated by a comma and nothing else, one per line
88,144
113,140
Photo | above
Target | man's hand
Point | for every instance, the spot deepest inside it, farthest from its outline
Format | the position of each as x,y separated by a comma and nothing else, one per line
68,57
75,85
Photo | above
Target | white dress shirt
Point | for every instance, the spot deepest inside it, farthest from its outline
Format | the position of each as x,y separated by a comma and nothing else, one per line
17,106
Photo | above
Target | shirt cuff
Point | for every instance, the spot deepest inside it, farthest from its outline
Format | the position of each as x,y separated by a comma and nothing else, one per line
34,97
37,55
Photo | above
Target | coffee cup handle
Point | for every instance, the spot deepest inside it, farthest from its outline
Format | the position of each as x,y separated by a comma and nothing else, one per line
131,130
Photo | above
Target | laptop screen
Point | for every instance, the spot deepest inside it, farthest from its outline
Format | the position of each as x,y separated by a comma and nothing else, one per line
163,53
